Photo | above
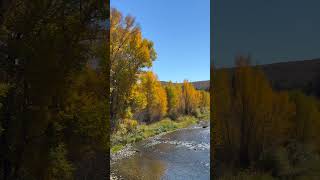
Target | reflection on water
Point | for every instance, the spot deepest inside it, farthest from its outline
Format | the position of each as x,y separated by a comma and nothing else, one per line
183,154
141,167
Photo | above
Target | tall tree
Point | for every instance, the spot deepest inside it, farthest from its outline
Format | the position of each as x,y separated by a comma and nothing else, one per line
189,97
156,97
129,54
250,116
306,119
204,100
174,95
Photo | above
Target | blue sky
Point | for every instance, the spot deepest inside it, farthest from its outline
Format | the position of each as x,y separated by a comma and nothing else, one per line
270,30
180,30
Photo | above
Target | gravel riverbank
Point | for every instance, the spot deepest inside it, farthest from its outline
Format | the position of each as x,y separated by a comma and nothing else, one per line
131,149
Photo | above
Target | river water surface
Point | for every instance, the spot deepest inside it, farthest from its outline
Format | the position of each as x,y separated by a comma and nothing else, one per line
182,154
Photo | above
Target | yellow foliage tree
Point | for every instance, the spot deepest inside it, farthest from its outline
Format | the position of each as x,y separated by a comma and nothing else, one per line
138,99
156,97
222,118
306,122
248,115
190,97
129,54
263,115
204,101
174,94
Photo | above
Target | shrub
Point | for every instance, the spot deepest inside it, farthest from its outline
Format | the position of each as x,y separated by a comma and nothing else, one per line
130,132
296,160
276,161
127,126
116,148
197,113
130,124
59,166
185,121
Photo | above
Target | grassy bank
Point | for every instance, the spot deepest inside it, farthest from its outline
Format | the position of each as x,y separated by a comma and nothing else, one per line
127,134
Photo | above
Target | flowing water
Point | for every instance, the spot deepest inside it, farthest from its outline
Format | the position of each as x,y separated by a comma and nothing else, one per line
182,154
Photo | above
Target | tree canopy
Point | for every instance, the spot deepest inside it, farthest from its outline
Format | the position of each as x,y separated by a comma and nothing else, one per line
54,103
261,129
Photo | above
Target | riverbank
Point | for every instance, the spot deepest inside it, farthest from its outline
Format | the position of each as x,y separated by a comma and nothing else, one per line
122,139
182,153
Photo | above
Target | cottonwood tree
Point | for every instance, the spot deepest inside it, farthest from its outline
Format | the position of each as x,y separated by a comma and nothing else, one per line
306,120
174,95
156,107
190,97
258,108
129,54
249,116
204,101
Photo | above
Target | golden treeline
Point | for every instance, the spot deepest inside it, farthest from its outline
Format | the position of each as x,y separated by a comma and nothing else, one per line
153,101
251,120
136,93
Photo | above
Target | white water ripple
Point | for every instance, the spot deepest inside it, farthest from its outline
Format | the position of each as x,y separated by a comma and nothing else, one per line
191,145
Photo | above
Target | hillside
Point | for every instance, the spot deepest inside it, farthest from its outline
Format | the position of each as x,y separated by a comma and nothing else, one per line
304,75
199,85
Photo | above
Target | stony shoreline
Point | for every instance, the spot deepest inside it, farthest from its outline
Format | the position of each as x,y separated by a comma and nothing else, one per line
129,149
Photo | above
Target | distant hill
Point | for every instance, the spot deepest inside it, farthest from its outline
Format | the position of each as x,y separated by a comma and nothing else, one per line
303,75
199,85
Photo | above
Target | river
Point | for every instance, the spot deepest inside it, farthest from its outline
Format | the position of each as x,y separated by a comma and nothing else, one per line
183,154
